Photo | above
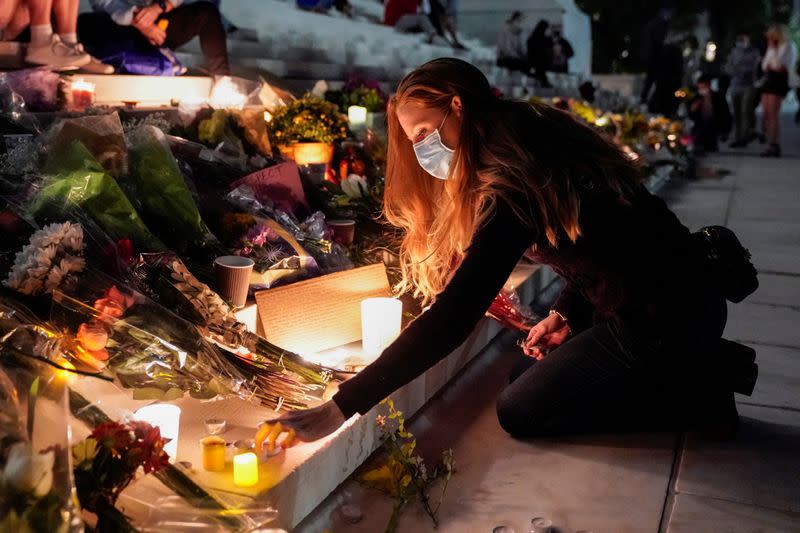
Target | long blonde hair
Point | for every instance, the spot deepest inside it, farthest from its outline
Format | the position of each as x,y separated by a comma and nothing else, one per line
778,33
504,147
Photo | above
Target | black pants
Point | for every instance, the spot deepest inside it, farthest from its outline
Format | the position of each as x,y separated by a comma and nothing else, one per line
201,19
607,379
514,63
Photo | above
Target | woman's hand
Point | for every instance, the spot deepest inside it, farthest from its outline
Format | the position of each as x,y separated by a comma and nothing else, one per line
147,16
313,424
545,336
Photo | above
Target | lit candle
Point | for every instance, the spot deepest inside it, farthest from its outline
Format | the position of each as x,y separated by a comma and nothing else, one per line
82,94
213,453
245,469
167,418
357,115
380,323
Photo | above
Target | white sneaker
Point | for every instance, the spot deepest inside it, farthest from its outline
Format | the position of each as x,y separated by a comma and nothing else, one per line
94,66
57,55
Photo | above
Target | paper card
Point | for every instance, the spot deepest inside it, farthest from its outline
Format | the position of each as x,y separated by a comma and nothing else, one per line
280,183
320,313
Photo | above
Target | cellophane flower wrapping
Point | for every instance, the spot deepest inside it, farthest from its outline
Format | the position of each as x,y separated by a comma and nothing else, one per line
74,178
166,201
37,490
511,313
147,348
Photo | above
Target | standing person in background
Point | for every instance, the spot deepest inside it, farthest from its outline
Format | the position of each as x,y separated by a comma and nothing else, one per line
711,115
441,20
667,80
742,67
539,52
511,52
405,17
779,60
562,51
653,37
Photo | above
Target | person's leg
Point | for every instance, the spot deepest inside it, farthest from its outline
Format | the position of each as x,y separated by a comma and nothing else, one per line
200,19
749,114
20,19
601,381
737,99
7,10
97,31
425,23
771,105
40,13
66,14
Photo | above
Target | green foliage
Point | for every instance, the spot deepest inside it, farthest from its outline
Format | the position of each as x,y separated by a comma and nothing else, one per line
308,119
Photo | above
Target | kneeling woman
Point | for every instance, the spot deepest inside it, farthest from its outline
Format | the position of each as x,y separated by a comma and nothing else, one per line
477,181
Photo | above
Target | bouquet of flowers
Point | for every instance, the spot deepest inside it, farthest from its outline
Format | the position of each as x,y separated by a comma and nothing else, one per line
166,201
106,463
52,259
308,119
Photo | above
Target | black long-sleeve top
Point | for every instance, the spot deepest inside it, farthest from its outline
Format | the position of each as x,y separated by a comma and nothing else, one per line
629,264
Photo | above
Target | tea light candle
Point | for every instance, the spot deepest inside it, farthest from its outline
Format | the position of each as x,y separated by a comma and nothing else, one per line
167,418
380,323
245,469
82,94
357,115
213,453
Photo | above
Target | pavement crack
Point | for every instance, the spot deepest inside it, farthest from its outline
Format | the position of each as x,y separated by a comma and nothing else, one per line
669,499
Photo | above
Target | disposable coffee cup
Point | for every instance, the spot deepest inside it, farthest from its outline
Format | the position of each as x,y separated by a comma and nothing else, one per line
344,231
232,273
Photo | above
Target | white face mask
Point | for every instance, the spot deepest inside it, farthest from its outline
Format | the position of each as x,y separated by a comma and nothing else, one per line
433,155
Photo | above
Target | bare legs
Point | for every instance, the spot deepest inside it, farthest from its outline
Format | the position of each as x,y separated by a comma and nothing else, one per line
771,105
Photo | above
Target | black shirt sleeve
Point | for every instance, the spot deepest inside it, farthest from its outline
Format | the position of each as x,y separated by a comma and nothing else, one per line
488,262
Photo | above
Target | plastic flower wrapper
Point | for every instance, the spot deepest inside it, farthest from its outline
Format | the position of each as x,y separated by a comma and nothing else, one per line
76,179
167,202
310,234
278,257
146,347
283,379
102,135
511,313
36,483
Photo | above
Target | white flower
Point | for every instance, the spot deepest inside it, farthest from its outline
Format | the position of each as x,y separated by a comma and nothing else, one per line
28,471
54,253
355,186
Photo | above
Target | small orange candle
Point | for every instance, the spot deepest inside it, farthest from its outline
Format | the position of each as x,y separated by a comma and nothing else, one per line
82,94
213,453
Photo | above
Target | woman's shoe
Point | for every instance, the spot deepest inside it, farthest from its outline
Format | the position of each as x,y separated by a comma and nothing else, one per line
774,150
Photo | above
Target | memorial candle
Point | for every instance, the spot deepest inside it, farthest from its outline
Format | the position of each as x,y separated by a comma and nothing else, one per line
245,469
357,116
380,323
82,94
167,418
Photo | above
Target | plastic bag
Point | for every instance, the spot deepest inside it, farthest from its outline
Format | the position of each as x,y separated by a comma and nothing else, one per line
102,135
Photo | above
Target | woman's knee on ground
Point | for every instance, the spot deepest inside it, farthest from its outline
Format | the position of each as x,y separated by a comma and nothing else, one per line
521,418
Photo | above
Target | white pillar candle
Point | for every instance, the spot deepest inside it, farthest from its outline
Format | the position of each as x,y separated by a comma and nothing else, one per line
167,418
357,115
380,323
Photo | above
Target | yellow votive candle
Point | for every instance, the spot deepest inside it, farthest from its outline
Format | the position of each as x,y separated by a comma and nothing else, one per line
245,469
213,453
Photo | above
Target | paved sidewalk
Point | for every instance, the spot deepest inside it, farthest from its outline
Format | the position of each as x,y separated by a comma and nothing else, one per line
673,483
